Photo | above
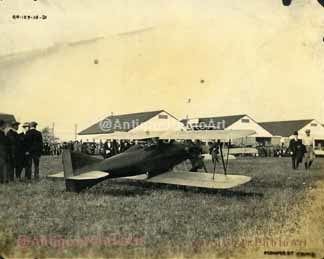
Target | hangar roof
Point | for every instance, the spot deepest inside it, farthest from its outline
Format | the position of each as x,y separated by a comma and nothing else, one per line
7,117
229,120
216,121
284,128
124,122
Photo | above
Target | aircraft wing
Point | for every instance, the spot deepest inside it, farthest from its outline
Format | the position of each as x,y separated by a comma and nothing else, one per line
223,135
243,151
204,180
136,135
196,179
183,178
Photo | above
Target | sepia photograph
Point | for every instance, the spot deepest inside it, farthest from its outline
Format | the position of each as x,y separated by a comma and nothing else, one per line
161,129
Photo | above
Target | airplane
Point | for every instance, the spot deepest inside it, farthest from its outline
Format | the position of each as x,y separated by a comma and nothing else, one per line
154,162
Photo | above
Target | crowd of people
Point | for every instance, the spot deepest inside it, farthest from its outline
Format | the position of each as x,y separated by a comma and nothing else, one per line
105,149
19,151
22,151
110,148
273,150
52,149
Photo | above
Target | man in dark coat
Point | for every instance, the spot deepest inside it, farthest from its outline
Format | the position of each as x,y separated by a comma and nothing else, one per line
196,157
24,157
114,147
14,150
297,150
3,153
214,151
22,160
34,148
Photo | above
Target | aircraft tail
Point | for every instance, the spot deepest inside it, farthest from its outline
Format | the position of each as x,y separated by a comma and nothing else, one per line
76,160
74,180
67,163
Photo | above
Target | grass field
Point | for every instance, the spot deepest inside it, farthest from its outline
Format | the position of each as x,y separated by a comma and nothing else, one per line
120,218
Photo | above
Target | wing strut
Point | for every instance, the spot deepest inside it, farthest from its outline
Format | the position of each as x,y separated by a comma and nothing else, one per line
222,157
225,164
214,162
220,145
228,151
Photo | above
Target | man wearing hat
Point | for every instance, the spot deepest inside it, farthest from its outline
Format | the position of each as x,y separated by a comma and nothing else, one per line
22,139
308,141
14,148
34,147
3,152
297,150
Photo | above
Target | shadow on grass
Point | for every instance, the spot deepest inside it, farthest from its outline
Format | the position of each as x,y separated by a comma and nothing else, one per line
118,192
143,188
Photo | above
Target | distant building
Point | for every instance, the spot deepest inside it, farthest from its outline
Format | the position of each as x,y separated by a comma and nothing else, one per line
285,130
233,122
144,121
7,117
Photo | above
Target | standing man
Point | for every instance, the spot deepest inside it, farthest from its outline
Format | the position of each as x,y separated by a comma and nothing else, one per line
308,141
114,148
14,150
214,151
296,148
3,152
196,157
24,156
34,145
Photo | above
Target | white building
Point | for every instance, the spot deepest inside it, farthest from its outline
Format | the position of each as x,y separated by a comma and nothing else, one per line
285,130
233,122
144,121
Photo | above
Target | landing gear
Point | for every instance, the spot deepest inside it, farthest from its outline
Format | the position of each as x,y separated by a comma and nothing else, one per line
224,162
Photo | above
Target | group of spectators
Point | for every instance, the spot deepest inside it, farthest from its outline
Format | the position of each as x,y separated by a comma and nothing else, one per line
272,151
19,151
52,149
105,149
22,151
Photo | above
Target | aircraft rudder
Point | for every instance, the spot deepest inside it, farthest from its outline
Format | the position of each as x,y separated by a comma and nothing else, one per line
67,163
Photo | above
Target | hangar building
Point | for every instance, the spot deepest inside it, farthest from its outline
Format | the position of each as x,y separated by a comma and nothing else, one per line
285,130
234,122
144,121
7,117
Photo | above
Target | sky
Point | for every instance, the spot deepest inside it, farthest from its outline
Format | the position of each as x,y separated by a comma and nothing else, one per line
89,59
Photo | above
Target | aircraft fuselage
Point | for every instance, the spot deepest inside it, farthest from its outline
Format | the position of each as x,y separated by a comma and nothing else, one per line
155,159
